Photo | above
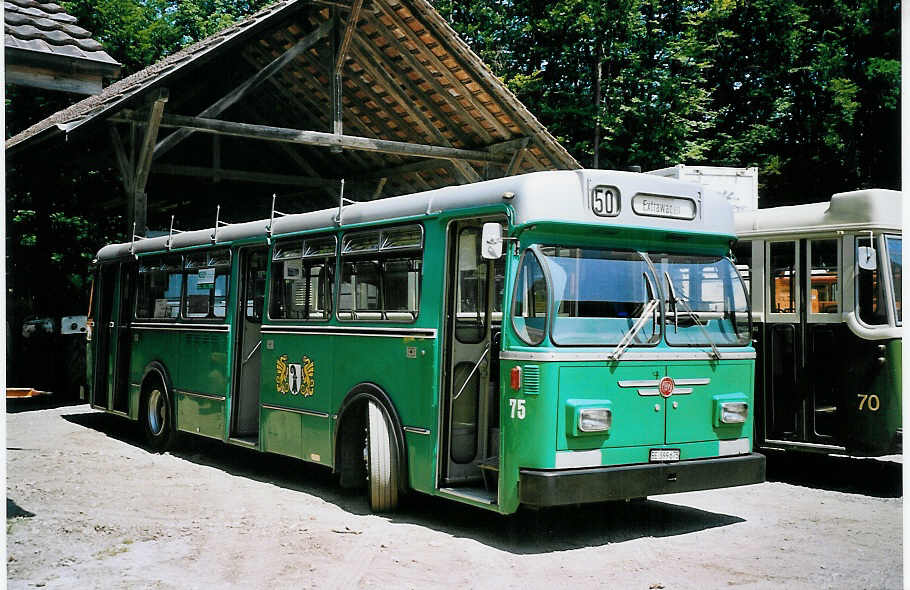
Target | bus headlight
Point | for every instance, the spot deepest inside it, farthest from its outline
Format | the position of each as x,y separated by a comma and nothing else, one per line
734,412
595,419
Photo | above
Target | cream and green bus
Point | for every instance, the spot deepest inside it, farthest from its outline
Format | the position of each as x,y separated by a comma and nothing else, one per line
546,339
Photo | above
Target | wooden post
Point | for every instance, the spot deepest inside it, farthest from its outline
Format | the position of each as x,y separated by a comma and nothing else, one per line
144,163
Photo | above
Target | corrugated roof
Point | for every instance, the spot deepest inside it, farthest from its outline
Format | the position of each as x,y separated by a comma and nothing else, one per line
44,28
407,77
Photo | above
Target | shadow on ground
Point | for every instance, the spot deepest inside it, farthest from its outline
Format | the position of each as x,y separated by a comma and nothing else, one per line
13,510
527,532
15,405
854,475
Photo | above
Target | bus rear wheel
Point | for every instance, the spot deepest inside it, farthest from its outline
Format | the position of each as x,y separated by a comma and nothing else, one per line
156,415
382,461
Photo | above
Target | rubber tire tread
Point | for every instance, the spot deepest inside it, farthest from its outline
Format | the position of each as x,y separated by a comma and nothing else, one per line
383,461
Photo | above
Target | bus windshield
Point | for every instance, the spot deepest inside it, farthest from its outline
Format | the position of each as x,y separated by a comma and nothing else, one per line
599,295
896,262
704,300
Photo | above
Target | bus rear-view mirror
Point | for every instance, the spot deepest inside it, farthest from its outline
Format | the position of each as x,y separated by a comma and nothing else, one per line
491,241
865,258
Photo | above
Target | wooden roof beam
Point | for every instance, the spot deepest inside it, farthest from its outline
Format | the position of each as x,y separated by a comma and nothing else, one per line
251,83
348,33
318,138
241,175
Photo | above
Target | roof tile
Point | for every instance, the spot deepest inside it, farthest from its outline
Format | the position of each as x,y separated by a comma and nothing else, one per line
44,27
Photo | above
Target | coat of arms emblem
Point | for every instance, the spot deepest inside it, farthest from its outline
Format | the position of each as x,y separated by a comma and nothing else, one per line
295,378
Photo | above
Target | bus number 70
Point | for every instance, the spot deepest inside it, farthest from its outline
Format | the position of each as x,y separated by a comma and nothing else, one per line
870,401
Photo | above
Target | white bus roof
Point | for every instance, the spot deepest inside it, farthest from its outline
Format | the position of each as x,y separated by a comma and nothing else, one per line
871,209
560,196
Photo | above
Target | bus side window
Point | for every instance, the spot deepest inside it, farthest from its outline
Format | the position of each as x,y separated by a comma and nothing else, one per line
380,274
824,284
782,277
870,290
303,279
159,287
207,278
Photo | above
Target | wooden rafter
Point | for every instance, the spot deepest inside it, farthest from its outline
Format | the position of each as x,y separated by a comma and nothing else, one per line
348,33
249,85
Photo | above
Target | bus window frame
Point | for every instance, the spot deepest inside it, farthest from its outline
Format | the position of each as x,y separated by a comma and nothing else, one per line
380,254
185,319
829,317
795,284
889,287
548,281
168,320
884,276
270,291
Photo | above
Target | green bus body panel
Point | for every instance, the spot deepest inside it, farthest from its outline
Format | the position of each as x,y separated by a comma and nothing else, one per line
635,421
694,417
874,430
281,432
197,362
200,415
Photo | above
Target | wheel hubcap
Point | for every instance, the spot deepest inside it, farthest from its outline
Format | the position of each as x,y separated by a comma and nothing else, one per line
156,412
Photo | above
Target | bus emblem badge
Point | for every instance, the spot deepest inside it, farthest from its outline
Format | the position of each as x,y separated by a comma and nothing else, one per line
666,386
295,378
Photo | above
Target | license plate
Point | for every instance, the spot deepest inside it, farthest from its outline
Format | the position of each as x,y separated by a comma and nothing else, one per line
664,455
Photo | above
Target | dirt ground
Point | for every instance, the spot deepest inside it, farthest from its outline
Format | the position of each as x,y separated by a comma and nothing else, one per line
89,507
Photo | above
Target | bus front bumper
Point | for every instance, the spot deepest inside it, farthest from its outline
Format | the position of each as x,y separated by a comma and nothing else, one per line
555,487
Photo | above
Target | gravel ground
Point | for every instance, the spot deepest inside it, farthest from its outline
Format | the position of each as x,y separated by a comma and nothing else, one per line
89,507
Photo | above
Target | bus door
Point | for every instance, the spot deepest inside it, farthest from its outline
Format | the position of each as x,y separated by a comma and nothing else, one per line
804,380
112,352
471,400
248,348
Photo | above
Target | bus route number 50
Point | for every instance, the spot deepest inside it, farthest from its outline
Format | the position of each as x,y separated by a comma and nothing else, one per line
518,408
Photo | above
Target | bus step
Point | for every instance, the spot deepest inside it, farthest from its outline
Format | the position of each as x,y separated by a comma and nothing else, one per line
489,464
470,493
826,410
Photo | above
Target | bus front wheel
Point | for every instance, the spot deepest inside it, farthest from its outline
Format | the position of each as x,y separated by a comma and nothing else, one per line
382,461
156,414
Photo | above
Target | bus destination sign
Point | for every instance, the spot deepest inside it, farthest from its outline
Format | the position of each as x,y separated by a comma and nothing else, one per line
656,206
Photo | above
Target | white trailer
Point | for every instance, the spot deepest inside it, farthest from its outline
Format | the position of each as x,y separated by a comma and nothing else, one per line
738,185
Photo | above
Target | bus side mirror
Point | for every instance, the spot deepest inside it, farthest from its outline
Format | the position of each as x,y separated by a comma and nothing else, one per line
491,241
865,257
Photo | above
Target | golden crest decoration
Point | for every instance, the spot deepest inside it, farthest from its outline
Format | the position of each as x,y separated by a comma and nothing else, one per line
295,378
308,384
281,374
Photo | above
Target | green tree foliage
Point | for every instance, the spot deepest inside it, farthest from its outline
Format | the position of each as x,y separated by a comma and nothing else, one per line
807,90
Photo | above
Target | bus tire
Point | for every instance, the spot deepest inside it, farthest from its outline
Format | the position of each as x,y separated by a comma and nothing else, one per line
156,413
382,461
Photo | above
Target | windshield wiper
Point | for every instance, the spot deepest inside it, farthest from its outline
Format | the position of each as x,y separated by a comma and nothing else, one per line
636,327
674,299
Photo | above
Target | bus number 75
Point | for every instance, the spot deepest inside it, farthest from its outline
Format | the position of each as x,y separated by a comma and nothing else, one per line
518,408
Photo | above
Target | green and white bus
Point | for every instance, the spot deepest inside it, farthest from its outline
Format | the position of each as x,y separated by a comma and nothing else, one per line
545,339
826,303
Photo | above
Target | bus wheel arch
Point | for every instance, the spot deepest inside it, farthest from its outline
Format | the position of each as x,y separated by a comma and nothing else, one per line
365,404
157,412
